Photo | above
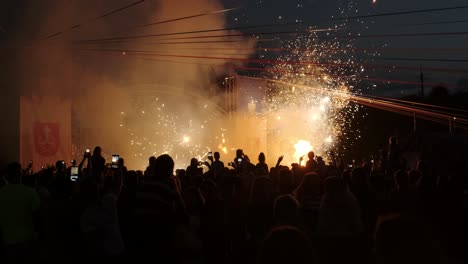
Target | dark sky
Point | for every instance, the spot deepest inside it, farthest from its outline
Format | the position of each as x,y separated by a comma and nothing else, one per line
318,13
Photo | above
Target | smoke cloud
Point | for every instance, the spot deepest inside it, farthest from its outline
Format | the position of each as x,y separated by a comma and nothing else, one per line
110,89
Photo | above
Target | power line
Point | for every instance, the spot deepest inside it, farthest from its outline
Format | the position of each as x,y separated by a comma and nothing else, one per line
384,101
437,23
313,48
422,113
420,59
187,17
187,32
359,78
248,34
126,38
338,49
120,9
417,103
402,103
408,35
272,62
406,59
251,34
166,43
276,61
407,82
179,19
387,103
403,13
97,18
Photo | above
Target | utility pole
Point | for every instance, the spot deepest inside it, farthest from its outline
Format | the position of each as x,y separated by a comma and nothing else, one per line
450,124
422,80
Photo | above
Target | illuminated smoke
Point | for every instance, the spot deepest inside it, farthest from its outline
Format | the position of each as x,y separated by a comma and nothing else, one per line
114,93
139,106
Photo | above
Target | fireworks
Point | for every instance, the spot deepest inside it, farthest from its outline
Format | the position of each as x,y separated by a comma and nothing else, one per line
186,139
302,147
181,126
306,108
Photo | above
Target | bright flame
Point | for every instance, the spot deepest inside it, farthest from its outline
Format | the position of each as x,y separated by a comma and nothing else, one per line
186,139
302,147
315,117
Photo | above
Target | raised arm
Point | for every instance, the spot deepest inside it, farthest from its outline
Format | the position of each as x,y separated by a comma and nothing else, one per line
280,159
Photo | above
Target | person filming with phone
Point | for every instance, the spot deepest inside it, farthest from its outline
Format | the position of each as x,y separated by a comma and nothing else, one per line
217,165
240,161
97,163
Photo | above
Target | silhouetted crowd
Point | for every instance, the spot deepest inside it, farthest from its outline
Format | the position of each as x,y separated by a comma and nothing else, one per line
374,211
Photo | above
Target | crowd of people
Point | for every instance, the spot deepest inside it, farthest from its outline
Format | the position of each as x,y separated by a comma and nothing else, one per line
244,211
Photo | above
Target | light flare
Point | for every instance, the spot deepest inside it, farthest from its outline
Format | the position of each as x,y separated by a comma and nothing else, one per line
302,147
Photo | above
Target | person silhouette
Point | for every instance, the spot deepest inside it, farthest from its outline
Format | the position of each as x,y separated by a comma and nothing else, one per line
311,164
97,163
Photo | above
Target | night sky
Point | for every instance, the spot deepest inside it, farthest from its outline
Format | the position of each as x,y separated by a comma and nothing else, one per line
319,13
16,20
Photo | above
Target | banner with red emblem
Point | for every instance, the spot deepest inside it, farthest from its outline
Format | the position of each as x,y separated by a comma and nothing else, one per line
45,125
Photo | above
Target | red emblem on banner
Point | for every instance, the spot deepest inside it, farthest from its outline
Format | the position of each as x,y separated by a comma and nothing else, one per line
46,138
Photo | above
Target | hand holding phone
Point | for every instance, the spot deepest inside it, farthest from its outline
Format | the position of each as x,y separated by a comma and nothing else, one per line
74,174
115,161
87,153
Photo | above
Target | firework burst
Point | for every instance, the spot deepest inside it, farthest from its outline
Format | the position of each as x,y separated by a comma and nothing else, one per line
308,106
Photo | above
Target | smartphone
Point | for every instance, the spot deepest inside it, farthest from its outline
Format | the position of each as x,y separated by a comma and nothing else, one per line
239,160
63,163
210,154
115,161
87,150
350,166
74,174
